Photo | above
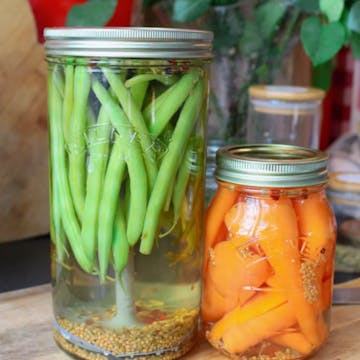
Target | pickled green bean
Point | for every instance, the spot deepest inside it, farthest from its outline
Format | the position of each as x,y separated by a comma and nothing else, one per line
68,102
131,150
181,181
77,143
121,246
138,92
136,119
137,79
159,114
99,137
108,205
169,166
68,215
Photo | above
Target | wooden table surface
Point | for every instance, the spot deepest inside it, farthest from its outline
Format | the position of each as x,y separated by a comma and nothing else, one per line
26,330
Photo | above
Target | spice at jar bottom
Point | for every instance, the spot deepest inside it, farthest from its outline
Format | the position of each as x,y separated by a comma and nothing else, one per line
166,339
269,253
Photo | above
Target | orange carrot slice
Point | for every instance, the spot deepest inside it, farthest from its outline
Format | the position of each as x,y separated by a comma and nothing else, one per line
214,306
240,337
293,340
235,269
222,201
317,229
259,305
278,237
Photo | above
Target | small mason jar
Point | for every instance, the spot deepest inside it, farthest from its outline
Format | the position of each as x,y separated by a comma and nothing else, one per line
284,115
127,119
269,253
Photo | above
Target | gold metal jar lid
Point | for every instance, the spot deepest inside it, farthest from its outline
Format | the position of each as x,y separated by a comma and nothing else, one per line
286,93
271,165
131,42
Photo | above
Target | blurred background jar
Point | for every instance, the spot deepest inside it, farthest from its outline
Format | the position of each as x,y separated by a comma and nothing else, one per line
344,195
284,115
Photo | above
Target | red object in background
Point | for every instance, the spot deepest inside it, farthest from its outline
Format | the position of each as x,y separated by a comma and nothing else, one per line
53,13
337,103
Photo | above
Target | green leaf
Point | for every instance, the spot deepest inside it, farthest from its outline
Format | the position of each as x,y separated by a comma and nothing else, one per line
308,6
332,8
189,10
92,13
322,74
250,42
321,41
268,15
354,17
355,45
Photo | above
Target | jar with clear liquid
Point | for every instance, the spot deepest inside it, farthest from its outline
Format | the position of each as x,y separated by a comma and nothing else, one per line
127,120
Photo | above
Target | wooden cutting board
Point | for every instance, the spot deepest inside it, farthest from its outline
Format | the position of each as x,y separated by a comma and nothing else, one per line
23,132
26,330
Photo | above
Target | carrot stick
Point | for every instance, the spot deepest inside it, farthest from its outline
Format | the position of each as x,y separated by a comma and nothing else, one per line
293,340
278,236
317,229
259,305
236,270
214,306
240,337
222,201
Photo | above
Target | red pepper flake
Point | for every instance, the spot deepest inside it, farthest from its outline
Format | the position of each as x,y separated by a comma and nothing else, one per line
275,194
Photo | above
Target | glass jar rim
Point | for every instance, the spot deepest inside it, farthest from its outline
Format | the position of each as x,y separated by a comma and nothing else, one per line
286,93
130,42
271,165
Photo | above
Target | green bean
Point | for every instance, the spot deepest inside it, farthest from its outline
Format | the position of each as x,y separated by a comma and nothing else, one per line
58,160
190,165
169,165
77,144
138,92
181,182
141,78
121,246
138,192
134,160
108,205
136,119
99,137
159,114
68,101
59,80
58,233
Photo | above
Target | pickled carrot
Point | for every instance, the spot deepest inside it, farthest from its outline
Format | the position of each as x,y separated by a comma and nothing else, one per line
222,201
238,338
317,229
259,305
278,236
214,306
236,270
293,340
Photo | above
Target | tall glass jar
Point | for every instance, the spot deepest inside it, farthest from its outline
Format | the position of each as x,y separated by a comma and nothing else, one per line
284,115
269,253
127,118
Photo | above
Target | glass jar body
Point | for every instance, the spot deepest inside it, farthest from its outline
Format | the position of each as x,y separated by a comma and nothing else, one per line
127,156
268,271
279,122
344,196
